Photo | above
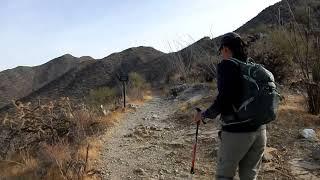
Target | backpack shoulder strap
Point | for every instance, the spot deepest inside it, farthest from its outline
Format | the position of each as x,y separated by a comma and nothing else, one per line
235,61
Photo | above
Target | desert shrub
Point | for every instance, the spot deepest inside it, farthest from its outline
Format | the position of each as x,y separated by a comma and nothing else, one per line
52,134
260,28
274,53
302,35
137,85
103,96
196,63
136,80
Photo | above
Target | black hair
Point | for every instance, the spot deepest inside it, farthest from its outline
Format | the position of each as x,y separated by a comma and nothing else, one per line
237,46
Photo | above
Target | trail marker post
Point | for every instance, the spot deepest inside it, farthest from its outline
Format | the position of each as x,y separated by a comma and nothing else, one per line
124,78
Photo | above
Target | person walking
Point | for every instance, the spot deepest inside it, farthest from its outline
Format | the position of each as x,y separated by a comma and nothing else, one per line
243,141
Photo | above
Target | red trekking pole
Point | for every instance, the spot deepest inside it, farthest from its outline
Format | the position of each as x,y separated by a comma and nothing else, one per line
195,144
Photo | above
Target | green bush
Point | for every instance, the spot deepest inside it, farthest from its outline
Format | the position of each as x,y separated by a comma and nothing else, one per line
103,95
137,84
136,80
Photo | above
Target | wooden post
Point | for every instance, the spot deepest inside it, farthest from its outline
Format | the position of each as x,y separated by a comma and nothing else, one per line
124,79
124,93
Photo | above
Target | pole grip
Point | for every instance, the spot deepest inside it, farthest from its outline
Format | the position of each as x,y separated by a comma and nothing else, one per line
199,110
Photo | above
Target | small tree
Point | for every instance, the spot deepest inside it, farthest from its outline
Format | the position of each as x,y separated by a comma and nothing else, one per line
303,37
196,62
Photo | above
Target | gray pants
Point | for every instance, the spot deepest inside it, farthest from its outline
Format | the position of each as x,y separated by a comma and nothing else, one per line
241,149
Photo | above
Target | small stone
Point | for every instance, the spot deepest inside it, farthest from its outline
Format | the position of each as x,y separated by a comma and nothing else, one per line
155,116
163,171
267,157
139,171
316,154
202,171
153,128
128,135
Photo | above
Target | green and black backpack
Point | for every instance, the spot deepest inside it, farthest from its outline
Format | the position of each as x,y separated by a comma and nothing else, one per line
260,98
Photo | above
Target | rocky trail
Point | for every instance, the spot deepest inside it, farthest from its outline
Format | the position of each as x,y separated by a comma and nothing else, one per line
154,142
150,144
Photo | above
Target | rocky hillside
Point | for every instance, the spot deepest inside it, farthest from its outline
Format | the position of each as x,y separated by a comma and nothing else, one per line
78,81
269,17
21,81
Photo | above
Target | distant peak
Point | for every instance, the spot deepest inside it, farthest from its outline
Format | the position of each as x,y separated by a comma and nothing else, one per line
141,49
206,38
67,56
86,58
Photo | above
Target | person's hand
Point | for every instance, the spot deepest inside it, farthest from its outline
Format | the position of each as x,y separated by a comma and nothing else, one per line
197,117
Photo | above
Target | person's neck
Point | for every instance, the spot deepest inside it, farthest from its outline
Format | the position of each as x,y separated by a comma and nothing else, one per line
227,56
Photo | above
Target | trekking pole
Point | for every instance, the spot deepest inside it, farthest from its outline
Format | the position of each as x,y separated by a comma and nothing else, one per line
195,144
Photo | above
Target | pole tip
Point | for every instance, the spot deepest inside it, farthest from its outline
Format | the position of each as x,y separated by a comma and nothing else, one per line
192,171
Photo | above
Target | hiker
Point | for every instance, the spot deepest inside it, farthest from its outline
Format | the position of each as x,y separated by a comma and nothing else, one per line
242,144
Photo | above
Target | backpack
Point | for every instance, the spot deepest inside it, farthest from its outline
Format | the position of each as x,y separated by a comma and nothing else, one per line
260,98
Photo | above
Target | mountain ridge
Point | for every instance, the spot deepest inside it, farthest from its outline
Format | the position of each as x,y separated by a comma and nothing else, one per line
75,76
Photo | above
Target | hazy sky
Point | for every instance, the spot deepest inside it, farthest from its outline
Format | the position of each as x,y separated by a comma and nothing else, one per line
33,32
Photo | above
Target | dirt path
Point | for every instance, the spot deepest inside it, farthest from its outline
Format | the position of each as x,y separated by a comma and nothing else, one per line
154,142
150,144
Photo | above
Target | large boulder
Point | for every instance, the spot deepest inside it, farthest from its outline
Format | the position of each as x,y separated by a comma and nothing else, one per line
194,91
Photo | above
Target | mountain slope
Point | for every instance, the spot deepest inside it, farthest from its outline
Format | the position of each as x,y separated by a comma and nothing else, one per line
21,81
78,81
284,9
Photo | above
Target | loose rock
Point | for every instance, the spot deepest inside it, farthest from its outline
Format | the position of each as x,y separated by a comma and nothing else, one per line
309,134
139,171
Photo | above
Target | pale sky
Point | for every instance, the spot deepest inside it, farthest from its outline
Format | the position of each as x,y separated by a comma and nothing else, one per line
33,32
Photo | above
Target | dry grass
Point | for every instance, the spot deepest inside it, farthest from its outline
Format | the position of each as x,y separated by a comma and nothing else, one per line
56,135
112,118
146,96
21,165
293,114
61,139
